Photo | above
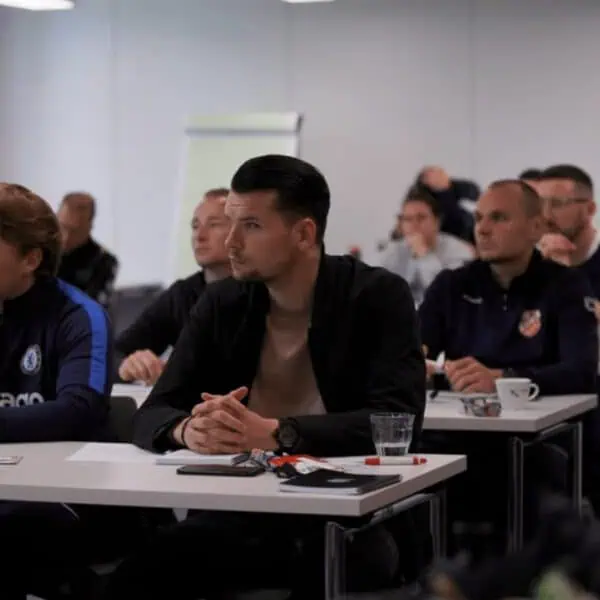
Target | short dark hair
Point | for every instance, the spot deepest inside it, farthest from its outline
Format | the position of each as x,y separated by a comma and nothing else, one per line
301,189
532,202
418,193
573,173
216,192
28,222
81,202
531,174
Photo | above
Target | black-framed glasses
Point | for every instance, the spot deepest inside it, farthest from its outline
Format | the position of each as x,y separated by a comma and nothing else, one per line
555,202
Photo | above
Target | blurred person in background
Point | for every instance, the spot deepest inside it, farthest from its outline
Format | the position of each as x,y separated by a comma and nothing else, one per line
455,197
140,347
573,240
85,263
531,176
423,251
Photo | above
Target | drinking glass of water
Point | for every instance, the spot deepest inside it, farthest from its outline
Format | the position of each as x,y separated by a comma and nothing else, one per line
392,433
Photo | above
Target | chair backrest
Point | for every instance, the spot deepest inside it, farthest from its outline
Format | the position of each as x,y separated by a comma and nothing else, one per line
122,411
128,303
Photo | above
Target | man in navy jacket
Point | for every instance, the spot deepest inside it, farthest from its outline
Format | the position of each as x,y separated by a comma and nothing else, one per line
573,240
55,353
512,313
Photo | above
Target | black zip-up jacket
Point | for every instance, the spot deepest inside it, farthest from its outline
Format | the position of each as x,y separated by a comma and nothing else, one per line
159,326
92,269
363,340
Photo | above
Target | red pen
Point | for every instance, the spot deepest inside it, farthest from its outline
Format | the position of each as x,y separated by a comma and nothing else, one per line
395,460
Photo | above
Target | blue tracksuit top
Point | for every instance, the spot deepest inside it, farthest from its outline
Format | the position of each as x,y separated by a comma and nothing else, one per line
542,327
55,357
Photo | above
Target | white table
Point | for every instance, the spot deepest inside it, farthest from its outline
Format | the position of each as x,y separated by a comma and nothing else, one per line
44,475
446,413
541,419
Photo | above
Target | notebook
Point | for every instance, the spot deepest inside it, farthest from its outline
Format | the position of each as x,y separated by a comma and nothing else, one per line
187,457
324,481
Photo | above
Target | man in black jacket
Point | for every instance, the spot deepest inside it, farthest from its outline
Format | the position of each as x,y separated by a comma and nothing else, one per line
139,347
85,263
294,354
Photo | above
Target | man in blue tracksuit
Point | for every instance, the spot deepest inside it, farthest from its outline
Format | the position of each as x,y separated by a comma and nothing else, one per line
55,354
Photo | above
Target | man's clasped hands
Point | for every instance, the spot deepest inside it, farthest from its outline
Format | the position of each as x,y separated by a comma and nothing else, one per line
222,424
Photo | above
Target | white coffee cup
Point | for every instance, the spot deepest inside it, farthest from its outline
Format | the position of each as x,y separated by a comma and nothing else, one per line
515,392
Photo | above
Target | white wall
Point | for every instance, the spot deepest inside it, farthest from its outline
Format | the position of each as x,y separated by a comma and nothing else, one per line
96,98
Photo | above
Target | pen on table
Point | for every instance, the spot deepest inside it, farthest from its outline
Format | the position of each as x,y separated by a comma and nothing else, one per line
438,366
395,460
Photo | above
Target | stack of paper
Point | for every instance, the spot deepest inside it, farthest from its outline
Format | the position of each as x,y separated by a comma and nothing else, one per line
187,457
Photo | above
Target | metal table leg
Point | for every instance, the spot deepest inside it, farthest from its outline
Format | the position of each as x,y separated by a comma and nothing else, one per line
515,482
335,561
336,537
577,464
443,524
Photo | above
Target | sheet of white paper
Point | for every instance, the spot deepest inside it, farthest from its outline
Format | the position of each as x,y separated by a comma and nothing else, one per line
123,389
112,453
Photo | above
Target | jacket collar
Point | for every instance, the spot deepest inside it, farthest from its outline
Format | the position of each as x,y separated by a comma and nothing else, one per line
324,289
32,300
528,280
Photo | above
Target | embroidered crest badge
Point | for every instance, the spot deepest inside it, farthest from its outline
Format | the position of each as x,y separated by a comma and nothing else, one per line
531,323
31,362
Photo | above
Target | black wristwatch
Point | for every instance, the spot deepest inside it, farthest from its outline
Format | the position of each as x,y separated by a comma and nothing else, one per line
287,435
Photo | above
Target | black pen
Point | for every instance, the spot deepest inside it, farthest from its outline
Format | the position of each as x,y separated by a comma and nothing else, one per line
241,458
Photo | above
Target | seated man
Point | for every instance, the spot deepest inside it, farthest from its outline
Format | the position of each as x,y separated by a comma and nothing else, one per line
573,240
85,264
159,326
423,250
455,198
293,354
531,176
54,379
512,312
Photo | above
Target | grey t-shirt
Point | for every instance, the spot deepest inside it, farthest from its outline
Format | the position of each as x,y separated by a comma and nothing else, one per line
449,253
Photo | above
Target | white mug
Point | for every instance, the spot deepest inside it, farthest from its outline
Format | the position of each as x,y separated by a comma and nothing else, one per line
515,392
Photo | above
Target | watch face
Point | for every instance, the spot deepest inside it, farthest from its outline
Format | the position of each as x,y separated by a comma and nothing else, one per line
287,435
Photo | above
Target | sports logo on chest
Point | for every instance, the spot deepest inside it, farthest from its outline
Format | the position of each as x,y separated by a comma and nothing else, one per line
530,323
31,361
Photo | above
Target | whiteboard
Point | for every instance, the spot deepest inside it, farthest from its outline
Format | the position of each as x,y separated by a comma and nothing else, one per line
214,148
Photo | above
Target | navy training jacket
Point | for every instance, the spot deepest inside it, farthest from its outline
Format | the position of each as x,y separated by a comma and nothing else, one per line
542,327
55,365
